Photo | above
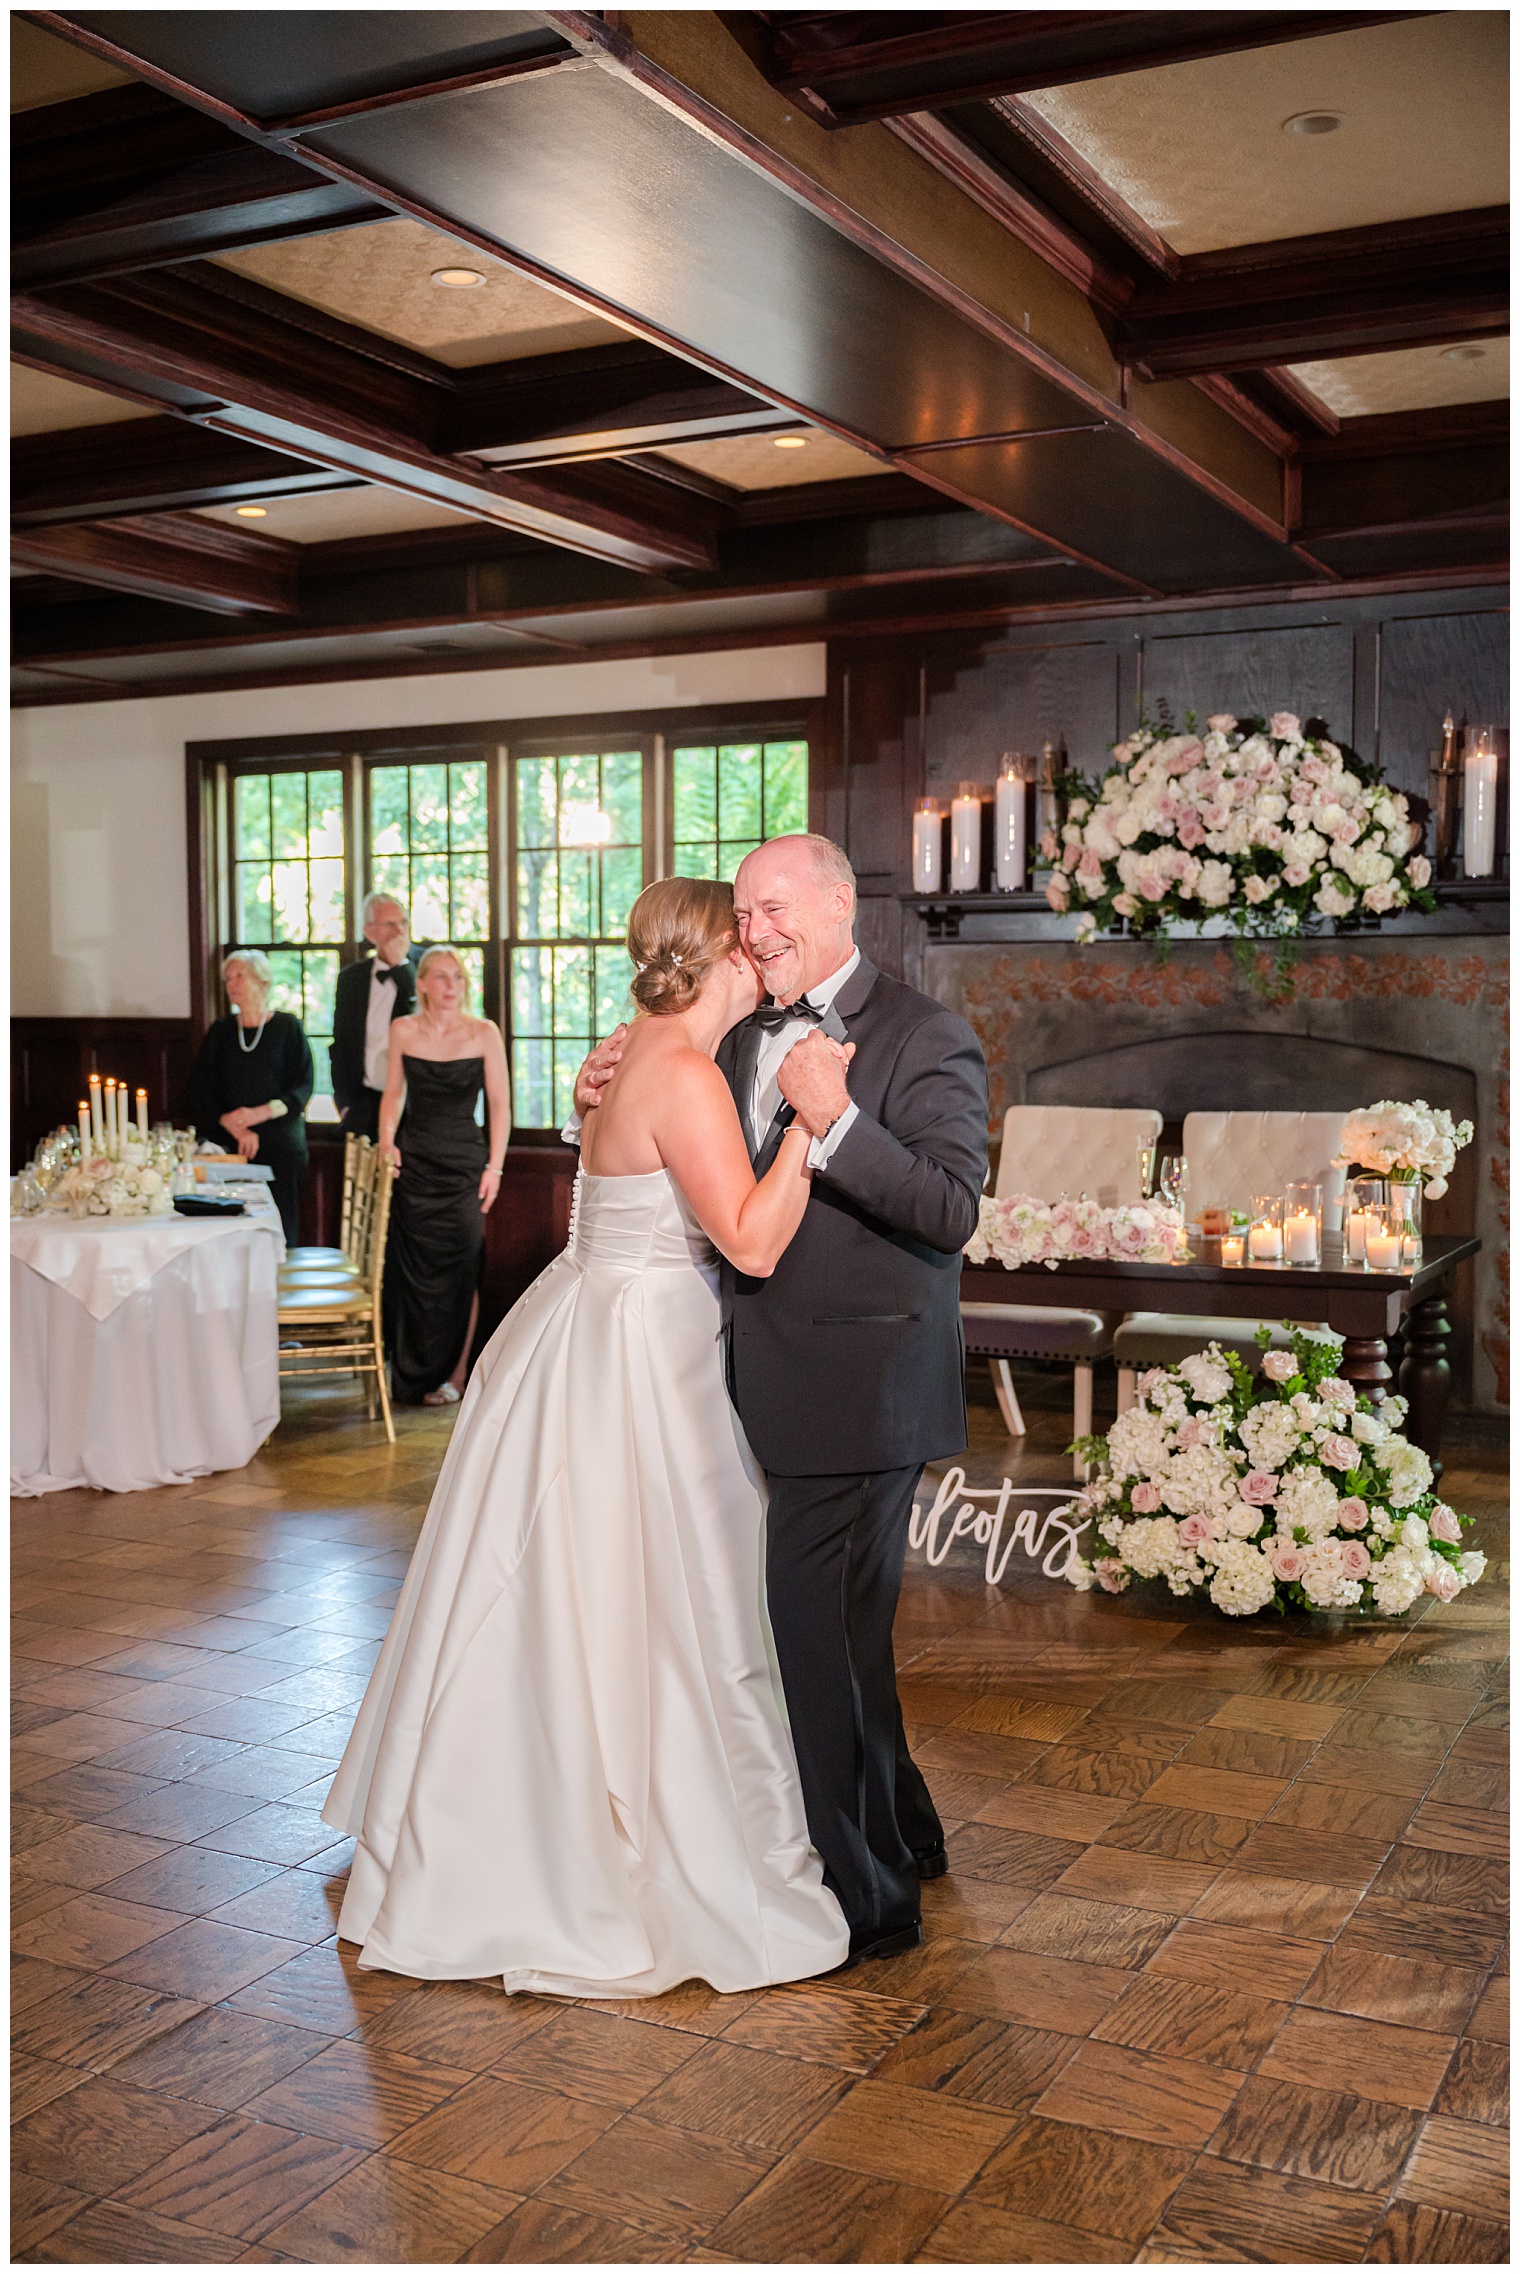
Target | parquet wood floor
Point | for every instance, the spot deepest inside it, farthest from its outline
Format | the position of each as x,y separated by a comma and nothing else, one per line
1218,1973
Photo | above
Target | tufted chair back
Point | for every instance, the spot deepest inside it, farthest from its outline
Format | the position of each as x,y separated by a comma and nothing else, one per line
1233,1155
1049,1150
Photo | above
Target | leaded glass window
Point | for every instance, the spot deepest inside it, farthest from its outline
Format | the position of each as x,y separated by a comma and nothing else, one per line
429,844
288,891
729,796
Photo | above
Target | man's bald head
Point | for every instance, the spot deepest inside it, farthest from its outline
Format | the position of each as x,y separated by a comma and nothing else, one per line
794,898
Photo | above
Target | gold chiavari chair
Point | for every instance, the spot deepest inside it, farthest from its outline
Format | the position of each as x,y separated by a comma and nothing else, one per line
302,1264
333,1323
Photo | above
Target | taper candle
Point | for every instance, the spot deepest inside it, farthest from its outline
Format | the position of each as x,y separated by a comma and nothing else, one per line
97,1131
84,1129
142,1115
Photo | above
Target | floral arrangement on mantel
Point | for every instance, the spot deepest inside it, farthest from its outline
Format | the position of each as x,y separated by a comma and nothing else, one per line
1019,1229
1288,1491
1254,821
128,1185
1408,1144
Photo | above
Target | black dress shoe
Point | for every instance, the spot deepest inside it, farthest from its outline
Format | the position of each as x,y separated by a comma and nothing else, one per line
884,1942
933,1862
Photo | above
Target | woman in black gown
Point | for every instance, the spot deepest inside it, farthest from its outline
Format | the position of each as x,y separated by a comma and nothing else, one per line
252,1081
447,1179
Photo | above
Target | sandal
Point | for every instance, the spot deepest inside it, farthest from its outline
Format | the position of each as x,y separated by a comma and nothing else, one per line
446,1395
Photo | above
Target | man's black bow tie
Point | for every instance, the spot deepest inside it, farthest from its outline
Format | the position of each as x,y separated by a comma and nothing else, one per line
772,1017
390,971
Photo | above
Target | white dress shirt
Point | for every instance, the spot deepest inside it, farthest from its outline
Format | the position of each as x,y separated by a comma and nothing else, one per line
766,1100
377,1024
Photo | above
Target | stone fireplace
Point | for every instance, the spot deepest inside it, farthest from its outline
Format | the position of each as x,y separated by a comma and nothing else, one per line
1359,1018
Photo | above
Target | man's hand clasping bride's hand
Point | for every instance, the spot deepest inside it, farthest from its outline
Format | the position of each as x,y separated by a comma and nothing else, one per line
811,1079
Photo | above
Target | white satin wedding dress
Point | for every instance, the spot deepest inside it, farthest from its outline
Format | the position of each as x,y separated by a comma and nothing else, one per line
572,1766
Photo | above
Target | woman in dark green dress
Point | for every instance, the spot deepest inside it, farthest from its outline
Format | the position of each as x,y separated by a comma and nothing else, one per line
252,1080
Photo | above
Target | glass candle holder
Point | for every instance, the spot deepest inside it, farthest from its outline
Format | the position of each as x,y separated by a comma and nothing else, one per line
1264,1241
1480,803
966,838
1011,823
1363,1195
928,846
1301,1225
1232,1249
1385,1240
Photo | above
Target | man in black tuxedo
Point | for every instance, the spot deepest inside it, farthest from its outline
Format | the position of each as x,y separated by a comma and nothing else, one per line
367,997
847,1364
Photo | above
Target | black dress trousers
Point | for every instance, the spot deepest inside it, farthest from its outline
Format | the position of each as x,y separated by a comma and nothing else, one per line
834,1560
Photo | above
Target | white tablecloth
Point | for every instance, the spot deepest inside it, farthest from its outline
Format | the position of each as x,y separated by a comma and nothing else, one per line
142,1352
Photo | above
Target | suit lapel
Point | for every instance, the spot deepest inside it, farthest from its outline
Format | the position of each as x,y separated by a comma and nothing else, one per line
742,1080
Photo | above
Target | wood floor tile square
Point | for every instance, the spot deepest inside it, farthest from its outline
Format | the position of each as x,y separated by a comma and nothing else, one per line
394,2211
1330,2136
90,2023
1082,1769
889,2130
977,1751
203,1960
1334,1808
1104,1732
1369,1732
1222,1792
1459,2167
39,2207
1414,1992
1186,1835
959,1793
172,1753
325,1990
1030,1860
34,2083
88,1791
219,2058
1338,2053
1477,2084
814,2212
1228,2029
103,2134
92,1930
651,2176
81,1737
1143,1882
1060,1815
1303,1909
1325,1857
596,2057
1412,2234
1245,1752
971,2057
1183,1705
1071,1926
1386,1693
1226,2211
971,1910
1143,2096
258,1773
1490,2016
1459,1831
1402,1775
191,1880
546,2234
276,1834
1468,1784
923,1976
298,1905
1041,1992
350,2092
506,2135
464,2025
1034,1718
841,2029
179,1812
1237,1958
1431,1875
975,2234
1081,2178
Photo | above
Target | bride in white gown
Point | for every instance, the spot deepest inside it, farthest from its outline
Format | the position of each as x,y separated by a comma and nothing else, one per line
572,1767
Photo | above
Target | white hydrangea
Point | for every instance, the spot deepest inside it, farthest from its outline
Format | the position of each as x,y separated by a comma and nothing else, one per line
1323,1580
1369,1428
1137,1443
1397,1579
1270,1434
1307,1501
1149,1545
1243,1581
1406,1469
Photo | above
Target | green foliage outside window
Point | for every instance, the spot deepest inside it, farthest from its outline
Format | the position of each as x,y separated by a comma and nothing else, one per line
288,891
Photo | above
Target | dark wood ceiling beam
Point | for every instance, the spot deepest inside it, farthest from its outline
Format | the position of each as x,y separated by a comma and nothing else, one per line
593,402
850,66
157,465
245,372
174,557
1349,292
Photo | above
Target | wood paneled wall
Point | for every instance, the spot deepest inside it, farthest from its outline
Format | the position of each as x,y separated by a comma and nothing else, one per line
53,1059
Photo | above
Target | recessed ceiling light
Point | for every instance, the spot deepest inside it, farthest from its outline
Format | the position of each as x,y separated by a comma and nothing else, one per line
1462,354
1313,122
791,442
458,279
251,512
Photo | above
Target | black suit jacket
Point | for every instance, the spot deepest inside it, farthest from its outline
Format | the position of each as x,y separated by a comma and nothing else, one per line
350,1010
850,1356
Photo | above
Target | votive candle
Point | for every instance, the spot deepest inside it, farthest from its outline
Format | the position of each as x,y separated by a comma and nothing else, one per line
1011,828
1301,1238
928,846
966,838
1233,1248
1266,1243
1384,1249
1480,810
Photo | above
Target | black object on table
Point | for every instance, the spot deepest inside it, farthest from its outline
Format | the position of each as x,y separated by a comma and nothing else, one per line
1363,1306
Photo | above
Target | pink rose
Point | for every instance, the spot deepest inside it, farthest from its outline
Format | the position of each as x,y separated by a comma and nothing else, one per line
1190,1434
1314,770
1090,866
1193,1531
1190,831
1285,726
1279,1365
1446,1524
1336,1390
1348,831
1444,1583
1222,722
1419,872
1258,1488
1147,1498
1295,874
1058,893
1355,1561
1150,886
1287,1563
1071,856
1340,1452
1111,1576
1351,1515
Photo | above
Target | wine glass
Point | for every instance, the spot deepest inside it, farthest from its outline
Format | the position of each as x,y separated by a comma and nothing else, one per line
1174,1179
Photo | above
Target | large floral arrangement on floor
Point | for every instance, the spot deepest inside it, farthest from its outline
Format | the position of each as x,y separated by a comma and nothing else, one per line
1019,1229
1252,821
1410,1144
101,1186
1288,1490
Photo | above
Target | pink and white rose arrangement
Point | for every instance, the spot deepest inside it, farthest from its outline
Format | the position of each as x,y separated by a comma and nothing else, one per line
1287,1491
101,1186
1019,1230
1250,820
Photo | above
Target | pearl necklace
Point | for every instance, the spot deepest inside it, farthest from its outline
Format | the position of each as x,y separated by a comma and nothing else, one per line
248,1048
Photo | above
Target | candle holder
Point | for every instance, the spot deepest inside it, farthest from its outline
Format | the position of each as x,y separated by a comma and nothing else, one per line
1302,1210
1011,801
928,845
1264,1240
1363,1194
966,838
1385,1240
1406,1207
1232,1249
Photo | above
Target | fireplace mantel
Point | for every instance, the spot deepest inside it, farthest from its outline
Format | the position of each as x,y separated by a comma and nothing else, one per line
1462,906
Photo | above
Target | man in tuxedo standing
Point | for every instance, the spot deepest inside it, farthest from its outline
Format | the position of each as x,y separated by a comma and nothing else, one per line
368,996
847,1365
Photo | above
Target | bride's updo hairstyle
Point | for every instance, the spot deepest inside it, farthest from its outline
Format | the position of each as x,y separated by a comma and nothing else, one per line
678,931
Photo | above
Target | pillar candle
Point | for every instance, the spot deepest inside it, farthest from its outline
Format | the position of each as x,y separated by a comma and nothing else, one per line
1356,1235
1301,1234
1383,1251
85,1147
928,847
1011,834
1480,812
966,838
97,1132
142,1115
1266,1243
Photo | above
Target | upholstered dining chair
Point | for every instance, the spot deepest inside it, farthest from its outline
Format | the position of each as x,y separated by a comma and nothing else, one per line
1049,1150
1230,1156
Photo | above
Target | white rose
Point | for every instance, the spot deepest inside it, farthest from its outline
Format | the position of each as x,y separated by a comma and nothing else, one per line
1215,884
1206,1374
1332,898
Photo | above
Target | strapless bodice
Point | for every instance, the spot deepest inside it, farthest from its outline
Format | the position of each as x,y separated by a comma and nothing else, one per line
636,1223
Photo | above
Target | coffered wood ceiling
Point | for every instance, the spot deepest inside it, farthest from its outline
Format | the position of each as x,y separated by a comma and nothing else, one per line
975,262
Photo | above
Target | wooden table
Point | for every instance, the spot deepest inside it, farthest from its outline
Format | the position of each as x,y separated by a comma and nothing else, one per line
1364,1306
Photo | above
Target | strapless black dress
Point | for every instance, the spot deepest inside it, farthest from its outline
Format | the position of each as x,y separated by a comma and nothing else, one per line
437,1234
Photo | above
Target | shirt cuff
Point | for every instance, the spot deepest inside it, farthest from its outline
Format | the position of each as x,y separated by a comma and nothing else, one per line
823,1149
275,1108
571,1133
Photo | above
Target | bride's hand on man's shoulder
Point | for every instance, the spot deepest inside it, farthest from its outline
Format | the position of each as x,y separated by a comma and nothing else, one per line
597,1071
